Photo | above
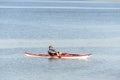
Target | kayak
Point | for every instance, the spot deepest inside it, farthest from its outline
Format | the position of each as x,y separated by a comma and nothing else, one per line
63,56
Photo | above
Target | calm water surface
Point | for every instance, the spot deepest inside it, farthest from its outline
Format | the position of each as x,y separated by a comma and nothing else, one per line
59,24
103,65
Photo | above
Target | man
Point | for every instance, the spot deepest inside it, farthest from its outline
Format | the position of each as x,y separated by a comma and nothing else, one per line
52,52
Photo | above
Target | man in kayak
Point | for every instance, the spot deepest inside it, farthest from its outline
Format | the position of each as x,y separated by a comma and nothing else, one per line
52,52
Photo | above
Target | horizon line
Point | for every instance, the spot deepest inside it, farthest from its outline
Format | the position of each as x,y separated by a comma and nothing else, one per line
52,7
95,1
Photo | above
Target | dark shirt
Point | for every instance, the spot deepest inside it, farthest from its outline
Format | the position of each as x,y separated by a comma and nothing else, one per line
51,51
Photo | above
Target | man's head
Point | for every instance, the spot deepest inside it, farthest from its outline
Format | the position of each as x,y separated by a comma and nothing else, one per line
50,47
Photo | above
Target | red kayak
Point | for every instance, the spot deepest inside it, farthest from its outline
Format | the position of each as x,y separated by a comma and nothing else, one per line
63,56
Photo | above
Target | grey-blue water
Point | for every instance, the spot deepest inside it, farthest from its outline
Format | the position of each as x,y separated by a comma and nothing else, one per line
41,22
53,21
103,65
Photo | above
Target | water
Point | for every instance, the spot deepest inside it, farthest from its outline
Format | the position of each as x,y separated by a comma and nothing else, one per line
74,27
52,23
103,65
